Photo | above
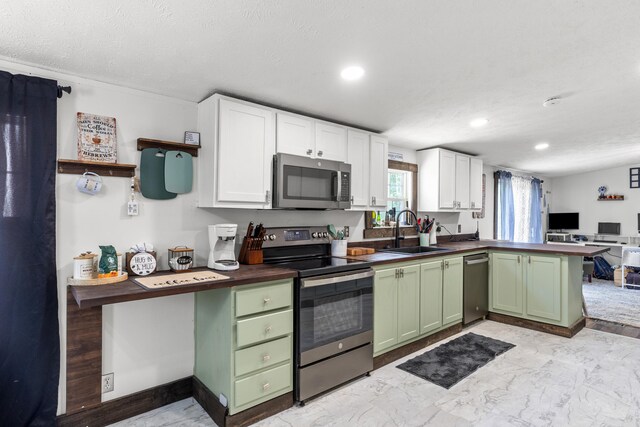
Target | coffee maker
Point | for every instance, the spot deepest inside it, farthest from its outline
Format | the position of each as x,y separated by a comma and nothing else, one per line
222,239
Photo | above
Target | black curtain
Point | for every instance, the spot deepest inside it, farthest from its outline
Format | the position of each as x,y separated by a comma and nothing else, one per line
29,337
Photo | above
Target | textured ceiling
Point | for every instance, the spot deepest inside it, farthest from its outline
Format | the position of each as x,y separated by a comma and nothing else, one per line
431,66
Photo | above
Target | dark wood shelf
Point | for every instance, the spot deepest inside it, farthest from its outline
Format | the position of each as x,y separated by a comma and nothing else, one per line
167,145
610,200
78,167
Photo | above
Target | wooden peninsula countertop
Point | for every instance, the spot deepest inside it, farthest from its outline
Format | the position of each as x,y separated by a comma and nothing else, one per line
93,296
460,248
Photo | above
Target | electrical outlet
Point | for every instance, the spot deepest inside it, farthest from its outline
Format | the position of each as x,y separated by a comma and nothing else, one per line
346,231
107,383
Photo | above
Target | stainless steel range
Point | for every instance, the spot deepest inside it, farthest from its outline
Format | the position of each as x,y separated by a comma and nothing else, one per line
333,300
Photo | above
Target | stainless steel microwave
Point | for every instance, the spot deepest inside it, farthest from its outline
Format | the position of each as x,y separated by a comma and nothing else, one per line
305,183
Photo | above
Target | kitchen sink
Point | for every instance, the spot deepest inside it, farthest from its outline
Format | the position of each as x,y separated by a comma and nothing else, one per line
415,249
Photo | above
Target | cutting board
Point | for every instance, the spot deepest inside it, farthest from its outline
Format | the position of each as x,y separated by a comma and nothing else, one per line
359,251
178,172
152,174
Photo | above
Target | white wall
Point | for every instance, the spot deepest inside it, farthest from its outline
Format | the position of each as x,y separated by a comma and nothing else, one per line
579,193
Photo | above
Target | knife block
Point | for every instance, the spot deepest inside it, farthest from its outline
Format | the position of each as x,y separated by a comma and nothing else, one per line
251,251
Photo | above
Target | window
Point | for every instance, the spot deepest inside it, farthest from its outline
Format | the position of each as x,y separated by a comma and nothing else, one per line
400,191
401,194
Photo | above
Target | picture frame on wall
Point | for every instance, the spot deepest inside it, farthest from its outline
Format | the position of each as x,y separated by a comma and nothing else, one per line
192,138
634,177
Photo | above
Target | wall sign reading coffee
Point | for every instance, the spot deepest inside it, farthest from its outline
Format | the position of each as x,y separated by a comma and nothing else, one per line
97,138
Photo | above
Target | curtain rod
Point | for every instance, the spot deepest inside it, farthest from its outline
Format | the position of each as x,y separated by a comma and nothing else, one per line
524,176
61,89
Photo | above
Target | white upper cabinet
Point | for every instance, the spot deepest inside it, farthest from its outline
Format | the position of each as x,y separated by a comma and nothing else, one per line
295,135
446,180
462,181
236,158
367,154
447,187
331,142
304,136
378,171
358,157
475,184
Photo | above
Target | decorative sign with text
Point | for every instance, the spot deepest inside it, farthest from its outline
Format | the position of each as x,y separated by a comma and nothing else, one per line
396,156
97,139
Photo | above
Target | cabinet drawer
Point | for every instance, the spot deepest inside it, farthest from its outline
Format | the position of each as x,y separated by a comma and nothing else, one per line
263,298
262,356
261,385
262,328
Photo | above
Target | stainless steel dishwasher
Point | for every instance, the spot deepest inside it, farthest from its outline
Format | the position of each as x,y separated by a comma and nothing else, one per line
476,287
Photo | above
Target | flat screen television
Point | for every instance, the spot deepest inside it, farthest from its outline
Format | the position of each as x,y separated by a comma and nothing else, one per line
564,221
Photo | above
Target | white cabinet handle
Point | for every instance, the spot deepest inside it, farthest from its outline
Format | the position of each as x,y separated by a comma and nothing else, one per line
320,153
518,259
309,152
446,264
352,198
267,300
267,197
266,357
265,386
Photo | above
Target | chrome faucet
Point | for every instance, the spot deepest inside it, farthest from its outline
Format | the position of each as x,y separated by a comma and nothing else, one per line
397,234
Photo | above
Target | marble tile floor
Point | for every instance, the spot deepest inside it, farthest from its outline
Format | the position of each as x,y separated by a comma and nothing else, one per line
592,379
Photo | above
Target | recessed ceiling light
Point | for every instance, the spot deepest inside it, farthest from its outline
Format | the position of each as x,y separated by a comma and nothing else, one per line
352,73
542,146
478,123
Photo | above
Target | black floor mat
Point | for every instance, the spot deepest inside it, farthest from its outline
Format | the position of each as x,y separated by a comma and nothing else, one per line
449,363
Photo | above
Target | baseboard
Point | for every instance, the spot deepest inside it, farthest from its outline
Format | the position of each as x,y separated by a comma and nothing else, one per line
400,352
218,413
129,406
562,331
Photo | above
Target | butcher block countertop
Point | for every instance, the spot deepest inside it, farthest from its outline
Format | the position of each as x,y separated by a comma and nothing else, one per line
93,296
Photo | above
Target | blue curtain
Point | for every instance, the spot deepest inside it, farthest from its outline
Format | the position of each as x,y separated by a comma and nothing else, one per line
505,212
29,337
535,235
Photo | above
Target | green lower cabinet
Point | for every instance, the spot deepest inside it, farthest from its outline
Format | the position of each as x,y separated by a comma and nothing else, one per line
452,290
543,287
430,296
540,287
244,342
507,282
408,303
385,309
411,301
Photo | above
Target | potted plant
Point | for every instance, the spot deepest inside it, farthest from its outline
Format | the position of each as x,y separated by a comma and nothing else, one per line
338,243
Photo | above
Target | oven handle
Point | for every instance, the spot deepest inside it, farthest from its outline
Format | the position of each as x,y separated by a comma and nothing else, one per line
309,283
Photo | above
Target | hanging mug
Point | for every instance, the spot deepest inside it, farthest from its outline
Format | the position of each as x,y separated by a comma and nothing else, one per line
89,184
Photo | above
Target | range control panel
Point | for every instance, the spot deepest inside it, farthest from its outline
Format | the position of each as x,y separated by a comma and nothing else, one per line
291,236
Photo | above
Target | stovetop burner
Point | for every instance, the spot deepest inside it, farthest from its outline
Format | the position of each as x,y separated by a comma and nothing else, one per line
321,265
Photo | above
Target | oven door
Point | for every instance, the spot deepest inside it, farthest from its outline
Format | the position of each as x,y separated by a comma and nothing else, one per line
305,183
335,314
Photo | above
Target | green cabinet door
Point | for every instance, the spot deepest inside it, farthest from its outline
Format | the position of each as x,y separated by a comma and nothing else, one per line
452,291
430,296
385,310
543,287
408,303
506,282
